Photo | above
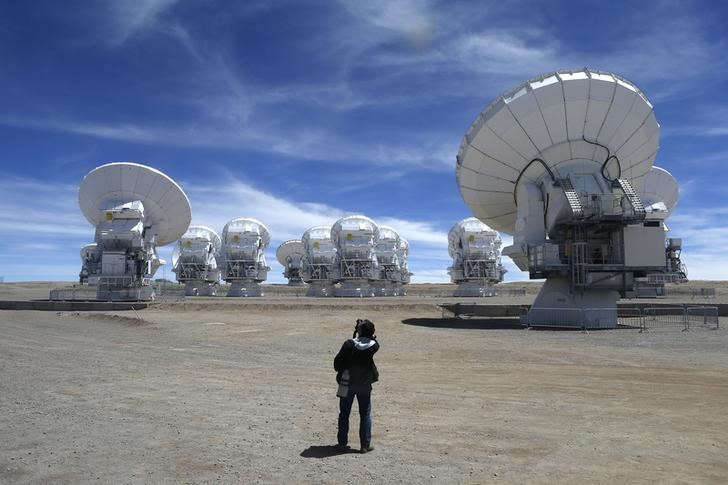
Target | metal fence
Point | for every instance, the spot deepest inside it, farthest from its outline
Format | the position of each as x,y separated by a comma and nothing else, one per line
88,293
682,317
688,292
81,293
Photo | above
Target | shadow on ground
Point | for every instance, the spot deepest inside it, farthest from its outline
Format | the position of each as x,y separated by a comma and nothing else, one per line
473,323
324,451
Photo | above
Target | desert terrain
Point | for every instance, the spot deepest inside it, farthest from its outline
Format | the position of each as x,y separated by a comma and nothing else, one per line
216,390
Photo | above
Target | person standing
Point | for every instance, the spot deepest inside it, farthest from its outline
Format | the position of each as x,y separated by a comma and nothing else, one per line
355,373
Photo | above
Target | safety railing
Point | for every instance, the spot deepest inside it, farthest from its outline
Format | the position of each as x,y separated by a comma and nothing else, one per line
684,317
86,293
692,293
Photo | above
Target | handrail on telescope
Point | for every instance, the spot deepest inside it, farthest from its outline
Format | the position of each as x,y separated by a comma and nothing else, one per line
518,179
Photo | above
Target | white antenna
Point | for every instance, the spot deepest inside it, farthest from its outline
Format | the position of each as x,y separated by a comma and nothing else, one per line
403,254
242,257
134,208
387,252
355,267
290,255
319,256
557,162
194,261
659,192
90,265
475,250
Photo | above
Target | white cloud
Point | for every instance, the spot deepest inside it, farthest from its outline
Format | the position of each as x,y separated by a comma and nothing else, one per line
33,209
704,240
129,18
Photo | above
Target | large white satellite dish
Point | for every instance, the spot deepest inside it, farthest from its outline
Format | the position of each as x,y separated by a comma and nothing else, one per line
194,261
242,256
659,192
90,265
555,124
558,162
387,251
475,250
319,257
134,208
356,265
166,207
403,252
290,255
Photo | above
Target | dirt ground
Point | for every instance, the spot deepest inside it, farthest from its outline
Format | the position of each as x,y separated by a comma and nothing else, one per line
214,391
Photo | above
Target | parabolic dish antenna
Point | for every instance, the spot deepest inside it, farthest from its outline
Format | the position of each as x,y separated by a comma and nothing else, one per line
290,255
349,225
194,261
318,260
590,122
470,226
658,187
201,232
166,206
355,238
243,225
293,247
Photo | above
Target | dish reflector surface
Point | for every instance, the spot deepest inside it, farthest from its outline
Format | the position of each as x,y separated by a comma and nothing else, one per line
353,223
468,225
658,185
247,224
572,121
205,232
166,206
289,248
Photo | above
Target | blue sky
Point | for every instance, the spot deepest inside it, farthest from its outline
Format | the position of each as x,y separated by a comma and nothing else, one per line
297,113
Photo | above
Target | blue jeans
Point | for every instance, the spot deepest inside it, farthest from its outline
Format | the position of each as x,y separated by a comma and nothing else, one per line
364,397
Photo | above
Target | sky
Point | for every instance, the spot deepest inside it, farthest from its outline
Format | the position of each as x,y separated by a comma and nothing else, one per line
300,112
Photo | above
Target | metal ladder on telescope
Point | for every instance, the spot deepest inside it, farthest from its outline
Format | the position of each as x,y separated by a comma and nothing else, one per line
578,258
632,197
572,197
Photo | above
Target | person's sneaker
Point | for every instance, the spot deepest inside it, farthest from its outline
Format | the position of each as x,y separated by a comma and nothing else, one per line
343,448
367,449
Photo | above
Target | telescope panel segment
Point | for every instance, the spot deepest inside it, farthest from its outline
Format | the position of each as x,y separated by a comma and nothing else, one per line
289,248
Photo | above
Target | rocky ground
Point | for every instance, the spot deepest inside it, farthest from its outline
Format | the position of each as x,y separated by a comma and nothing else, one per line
227,391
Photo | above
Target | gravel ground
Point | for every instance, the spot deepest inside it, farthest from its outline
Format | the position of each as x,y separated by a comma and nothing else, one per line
209,393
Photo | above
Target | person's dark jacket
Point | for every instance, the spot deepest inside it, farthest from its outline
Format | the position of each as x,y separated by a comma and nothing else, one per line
357,355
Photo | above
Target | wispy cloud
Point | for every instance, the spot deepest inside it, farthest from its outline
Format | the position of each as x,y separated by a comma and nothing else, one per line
34,210
129,18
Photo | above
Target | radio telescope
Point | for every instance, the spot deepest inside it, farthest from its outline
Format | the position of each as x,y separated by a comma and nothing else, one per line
90,265
386,250
194,261
290,255
242,256
403,255
317,261
355,266
659,192
475,250
134,208
557,162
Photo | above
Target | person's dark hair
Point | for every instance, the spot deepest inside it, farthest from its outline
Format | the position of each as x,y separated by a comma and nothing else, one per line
366,328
